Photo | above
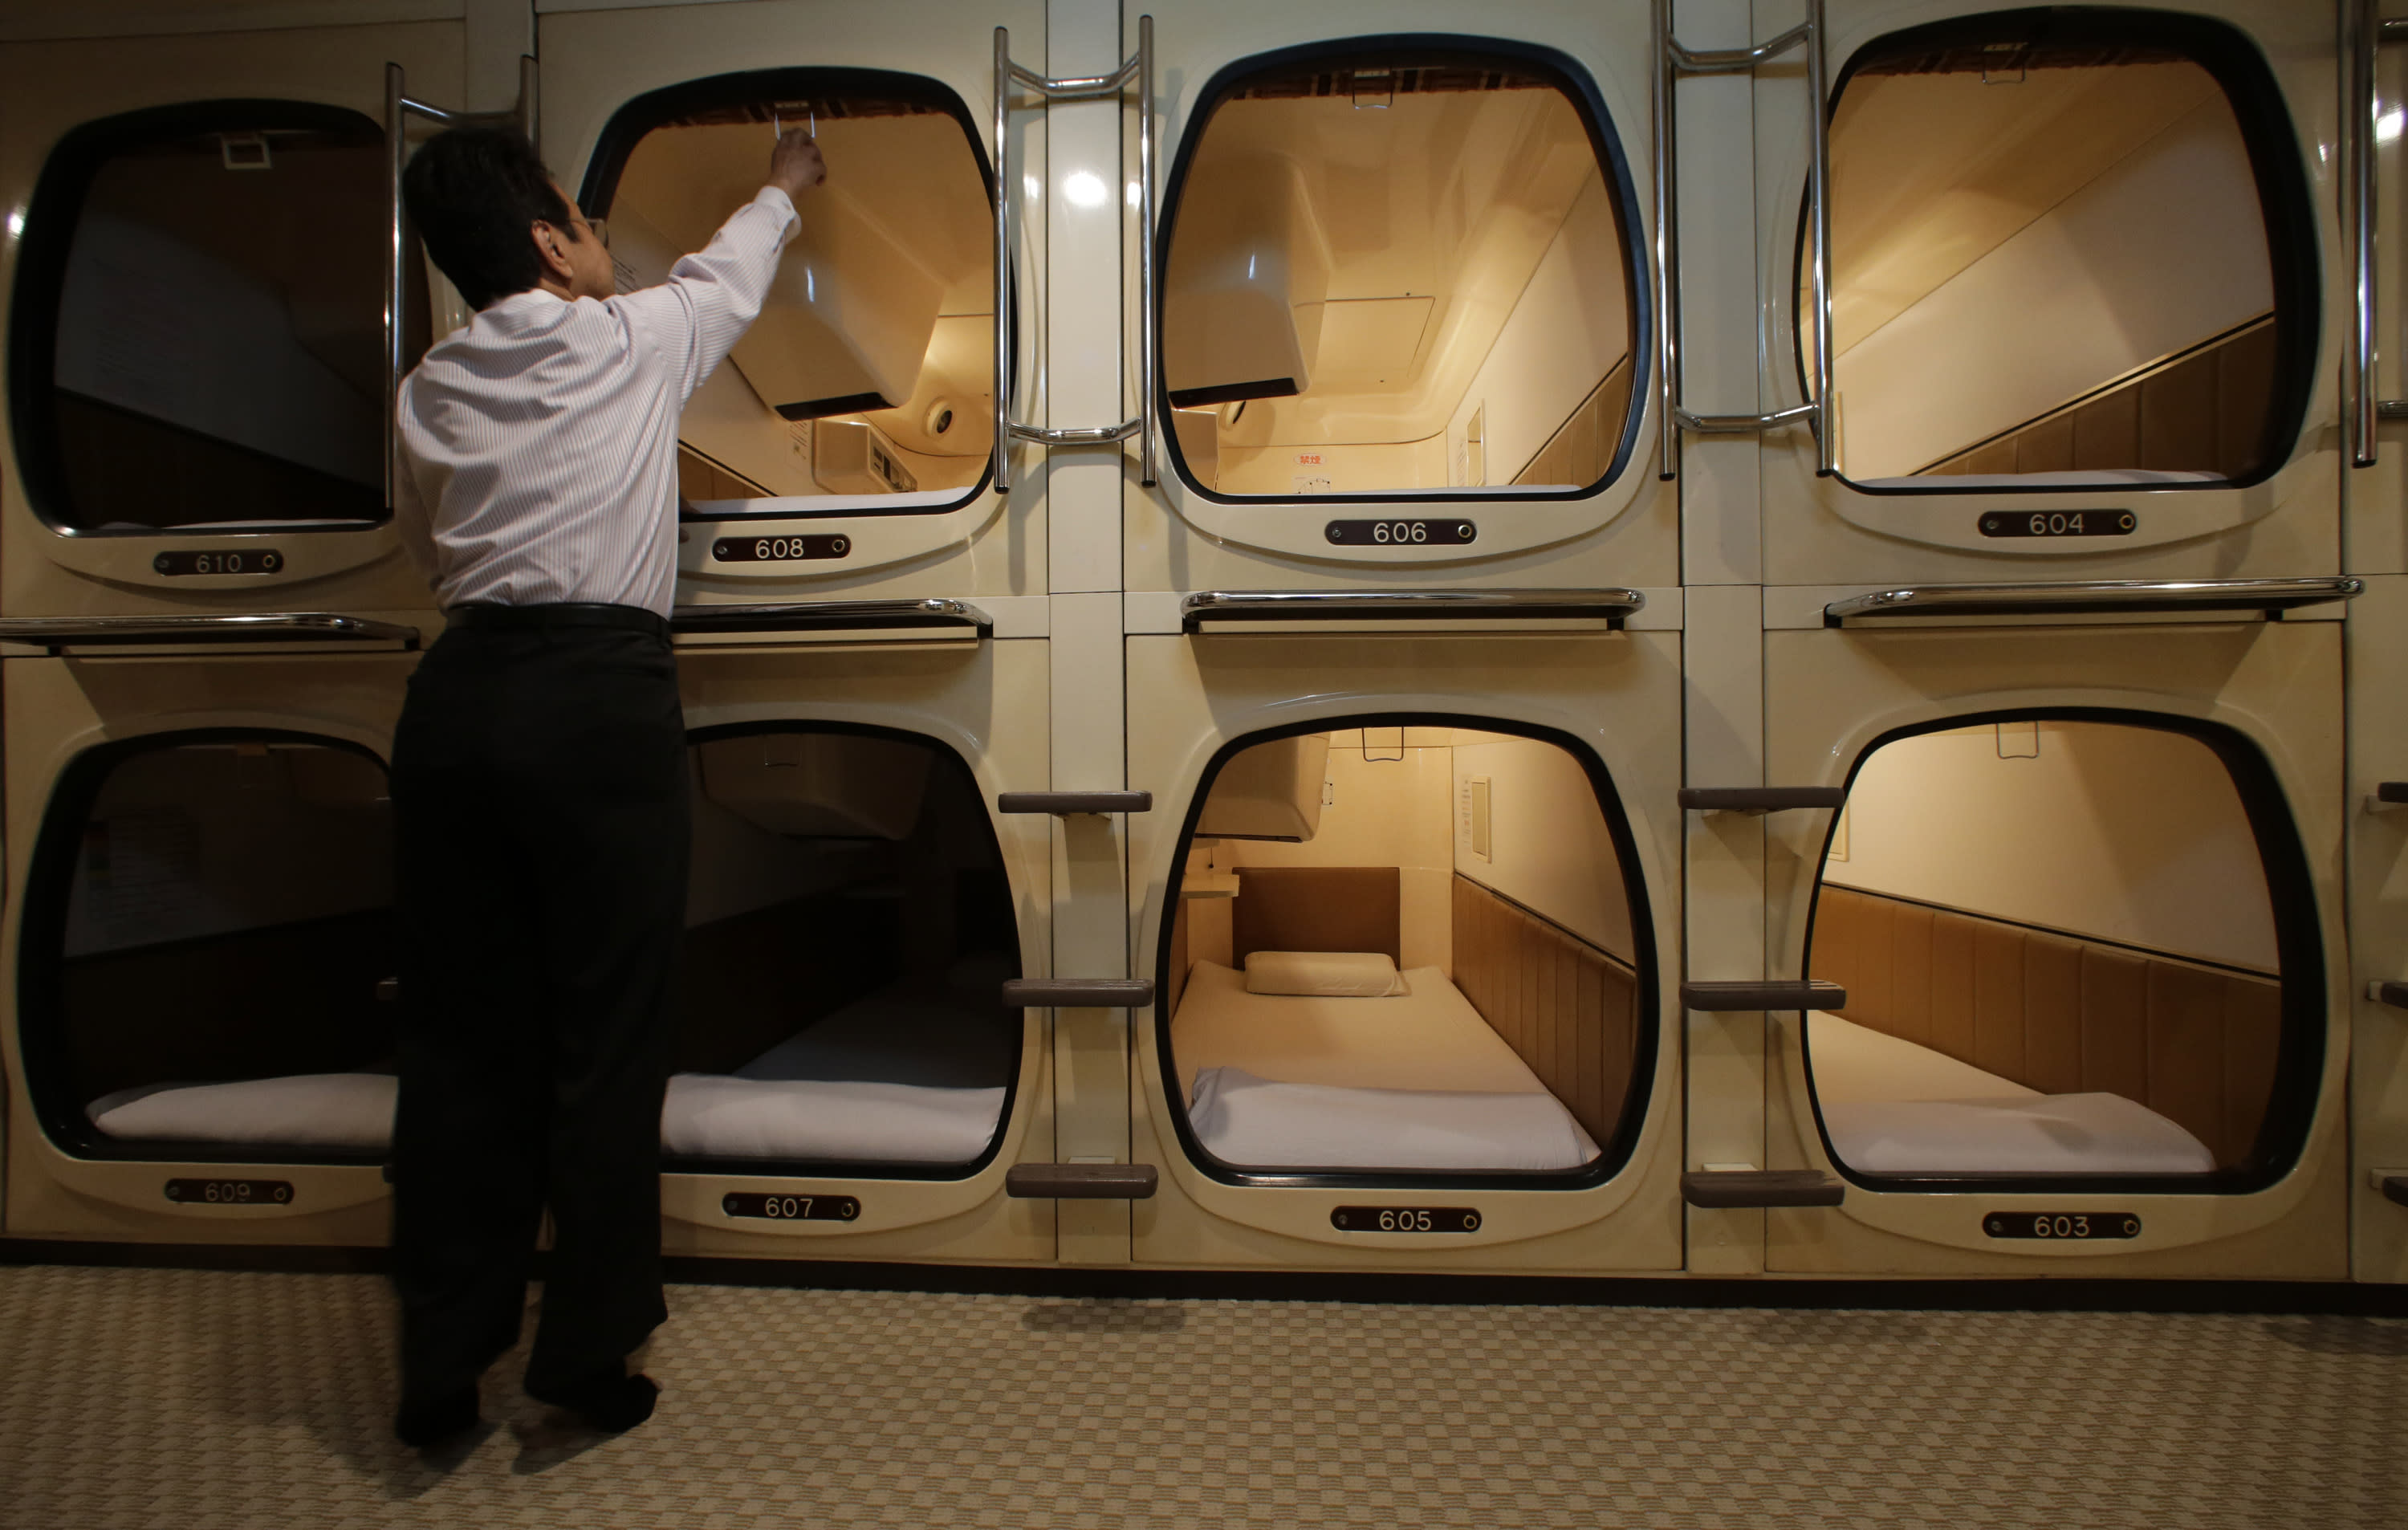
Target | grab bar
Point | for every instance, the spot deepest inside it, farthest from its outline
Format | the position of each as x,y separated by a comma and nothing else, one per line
1077,993
1760,799
398,109
58,632
1672,61
2365,34
1139,70
1059,803
1728,1189
2394,1185
1726,995
833,616
2389,992
1613,606
1081,1181
2096,597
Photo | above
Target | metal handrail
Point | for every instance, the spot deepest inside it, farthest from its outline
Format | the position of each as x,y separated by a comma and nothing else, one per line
2362,33
1074,435
57,632
832,615
1672,61
1615,605
1738,61
398,109
1137,70
1741,425
2096,597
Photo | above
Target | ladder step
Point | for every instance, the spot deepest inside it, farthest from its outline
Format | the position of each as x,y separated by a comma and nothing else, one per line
1725,1189
1760,799
1074,802
1081,1181
1751,993
1077,993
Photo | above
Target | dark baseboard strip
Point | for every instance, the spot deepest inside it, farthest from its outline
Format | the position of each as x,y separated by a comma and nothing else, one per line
2034,1295
286,1259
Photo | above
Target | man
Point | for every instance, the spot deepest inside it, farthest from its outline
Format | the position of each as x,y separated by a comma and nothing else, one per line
540,775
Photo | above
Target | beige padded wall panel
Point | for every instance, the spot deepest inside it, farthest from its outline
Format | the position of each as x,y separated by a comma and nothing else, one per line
2055,1013
1566,1008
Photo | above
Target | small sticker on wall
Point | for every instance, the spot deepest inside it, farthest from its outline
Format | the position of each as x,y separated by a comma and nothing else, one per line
1308,459
1311,484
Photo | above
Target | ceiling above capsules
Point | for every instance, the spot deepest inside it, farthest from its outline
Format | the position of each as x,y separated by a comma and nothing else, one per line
1428,194
1935,163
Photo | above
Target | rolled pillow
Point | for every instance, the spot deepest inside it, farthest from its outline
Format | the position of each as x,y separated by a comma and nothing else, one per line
1323,974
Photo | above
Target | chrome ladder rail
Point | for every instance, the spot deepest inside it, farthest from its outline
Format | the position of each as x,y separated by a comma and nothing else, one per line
1138,71
1674,61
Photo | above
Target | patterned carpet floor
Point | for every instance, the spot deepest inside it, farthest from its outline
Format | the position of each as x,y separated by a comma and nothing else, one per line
194,1399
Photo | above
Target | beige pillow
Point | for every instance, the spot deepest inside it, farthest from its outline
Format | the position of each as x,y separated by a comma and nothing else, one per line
1323,974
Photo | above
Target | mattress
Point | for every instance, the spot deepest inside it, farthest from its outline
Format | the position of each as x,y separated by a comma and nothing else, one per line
903,1075
1410,1081
1891,1107
349,1112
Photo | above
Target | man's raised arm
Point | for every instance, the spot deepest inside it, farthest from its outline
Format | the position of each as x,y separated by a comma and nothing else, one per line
712,297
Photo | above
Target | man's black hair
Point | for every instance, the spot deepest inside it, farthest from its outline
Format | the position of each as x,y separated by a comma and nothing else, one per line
472,192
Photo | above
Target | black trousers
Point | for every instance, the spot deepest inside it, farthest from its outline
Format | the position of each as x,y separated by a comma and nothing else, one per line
540,794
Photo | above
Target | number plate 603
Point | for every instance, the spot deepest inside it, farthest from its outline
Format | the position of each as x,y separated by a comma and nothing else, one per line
2066,1226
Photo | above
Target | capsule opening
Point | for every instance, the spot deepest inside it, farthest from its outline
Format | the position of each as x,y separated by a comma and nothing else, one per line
1404,950
1397,270
849,928
204,942
2069,248
2074,947
199,339
867,384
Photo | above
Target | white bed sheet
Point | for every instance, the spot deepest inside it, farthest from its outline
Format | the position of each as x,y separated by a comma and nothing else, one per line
1410,1081
1892,1107
848,1121
351,1112
884,1079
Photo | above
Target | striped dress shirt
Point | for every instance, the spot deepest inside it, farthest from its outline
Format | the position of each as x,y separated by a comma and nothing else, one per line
540,441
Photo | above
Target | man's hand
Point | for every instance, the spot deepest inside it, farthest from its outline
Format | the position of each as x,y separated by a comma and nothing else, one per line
795,164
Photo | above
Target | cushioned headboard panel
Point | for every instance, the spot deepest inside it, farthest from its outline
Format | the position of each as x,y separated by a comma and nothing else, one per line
1569,1009
2058,1014
1316,908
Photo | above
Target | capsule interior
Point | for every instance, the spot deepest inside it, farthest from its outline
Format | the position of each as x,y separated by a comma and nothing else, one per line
1392,274
1407,950
203,290
2052,264
2062,959
204,943
871,369
849,929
